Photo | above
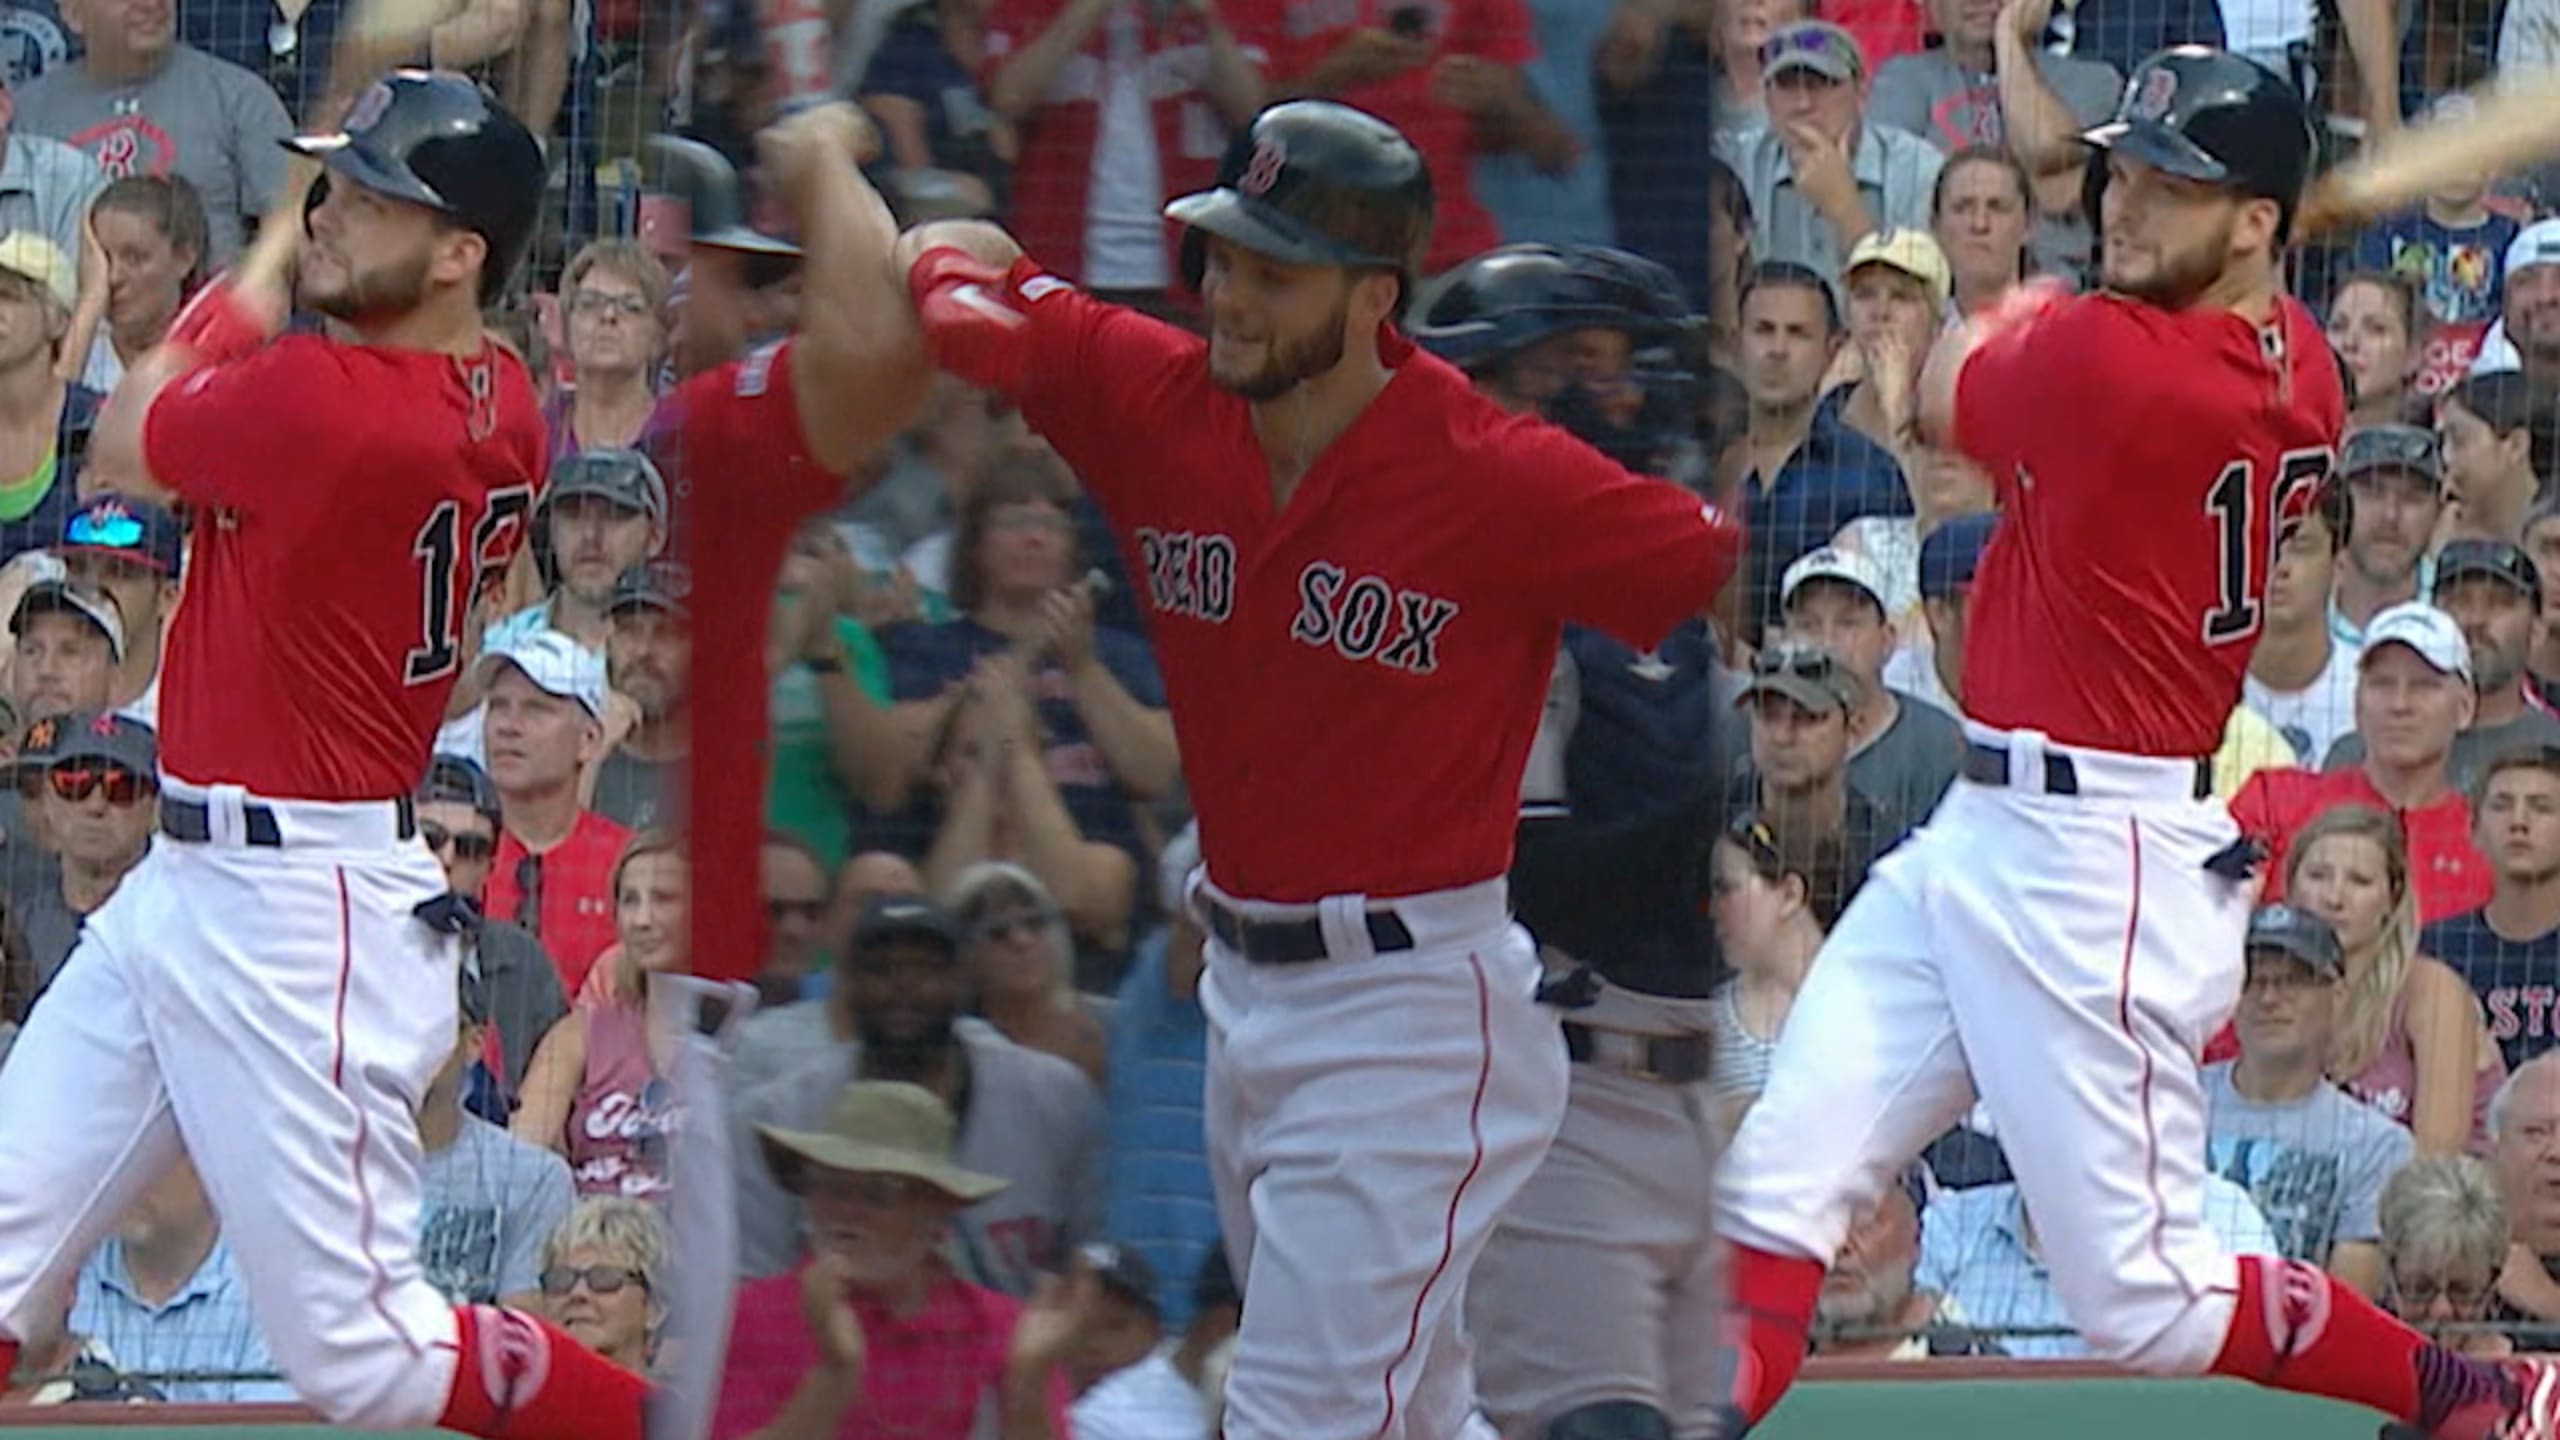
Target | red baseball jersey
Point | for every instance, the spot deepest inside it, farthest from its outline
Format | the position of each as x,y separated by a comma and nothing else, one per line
1354,677
735,428
346,499
2146,460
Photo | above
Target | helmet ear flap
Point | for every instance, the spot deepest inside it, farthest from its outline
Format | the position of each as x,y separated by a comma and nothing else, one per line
312,199
2093,189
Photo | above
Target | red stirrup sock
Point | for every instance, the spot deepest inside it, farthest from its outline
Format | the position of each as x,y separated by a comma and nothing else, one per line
2297,1328
1768,1312
521,1379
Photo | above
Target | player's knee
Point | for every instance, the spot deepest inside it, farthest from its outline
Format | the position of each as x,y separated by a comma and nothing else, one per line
1610,1420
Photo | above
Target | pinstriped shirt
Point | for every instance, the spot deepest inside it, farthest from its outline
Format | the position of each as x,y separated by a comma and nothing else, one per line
203,1329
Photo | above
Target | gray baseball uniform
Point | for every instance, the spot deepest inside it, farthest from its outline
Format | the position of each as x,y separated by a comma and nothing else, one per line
1030,1118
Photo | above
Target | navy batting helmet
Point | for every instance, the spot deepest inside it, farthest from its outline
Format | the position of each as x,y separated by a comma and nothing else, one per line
437,139
1314,183
2210,115
1506,300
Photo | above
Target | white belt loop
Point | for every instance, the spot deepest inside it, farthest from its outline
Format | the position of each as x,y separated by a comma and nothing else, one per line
2027,761
1344,919
226,815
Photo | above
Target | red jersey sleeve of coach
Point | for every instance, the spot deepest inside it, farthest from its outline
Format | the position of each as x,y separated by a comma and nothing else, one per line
230,434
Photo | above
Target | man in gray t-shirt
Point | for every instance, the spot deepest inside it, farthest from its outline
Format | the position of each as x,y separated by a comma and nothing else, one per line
2314,1158
2493,591
1952,95
139,103
487,1200
1904,754
1028,1118
647,655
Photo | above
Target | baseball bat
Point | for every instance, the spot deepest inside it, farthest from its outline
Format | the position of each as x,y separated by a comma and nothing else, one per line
2514,126
375,35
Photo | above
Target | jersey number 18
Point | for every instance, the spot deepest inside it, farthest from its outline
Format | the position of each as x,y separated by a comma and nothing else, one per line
443,597
2232,506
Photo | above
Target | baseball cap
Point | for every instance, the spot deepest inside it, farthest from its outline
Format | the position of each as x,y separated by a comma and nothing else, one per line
905,917
2487,558
658,585
1913,252
2303,936
2423,628
1807,674
454,780
1123,1271
1950,554
30,256
61,597
2413,448
2536,244
1815,45
131,529
625,477
557,665
103,735
1849,567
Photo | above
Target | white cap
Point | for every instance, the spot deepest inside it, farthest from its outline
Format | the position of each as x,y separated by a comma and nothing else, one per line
2536,244
2425,629
557,665
1831,563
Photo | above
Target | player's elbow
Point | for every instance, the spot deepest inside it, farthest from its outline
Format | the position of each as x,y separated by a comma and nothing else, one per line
981,241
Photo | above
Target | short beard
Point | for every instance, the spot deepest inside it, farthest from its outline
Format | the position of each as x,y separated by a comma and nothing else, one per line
385,293
1862,1314
2182,277
916,1059
1300,361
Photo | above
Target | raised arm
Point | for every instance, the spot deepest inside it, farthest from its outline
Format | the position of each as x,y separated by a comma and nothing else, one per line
226,322
858,370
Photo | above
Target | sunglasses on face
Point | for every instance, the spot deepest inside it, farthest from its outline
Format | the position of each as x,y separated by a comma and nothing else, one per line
466,844
1805,42
114,531
559,1280
77,782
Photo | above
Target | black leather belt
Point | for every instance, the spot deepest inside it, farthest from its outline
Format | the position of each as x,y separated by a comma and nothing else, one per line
1295,942
1670,1059
1989,765
191,821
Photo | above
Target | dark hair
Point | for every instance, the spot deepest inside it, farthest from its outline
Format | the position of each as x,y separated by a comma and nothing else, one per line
2545,758
1014,480
1788,275
777,838
1817,858
1998,158
2506,403
172,205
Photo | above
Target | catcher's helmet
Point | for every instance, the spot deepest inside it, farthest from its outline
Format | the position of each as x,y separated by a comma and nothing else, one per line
1508,299
2210,115
1314,183
437,139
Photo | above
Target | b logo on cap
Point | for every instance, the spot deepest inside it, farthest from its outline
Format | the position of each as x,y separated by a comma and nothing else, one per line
2159,87
1263,171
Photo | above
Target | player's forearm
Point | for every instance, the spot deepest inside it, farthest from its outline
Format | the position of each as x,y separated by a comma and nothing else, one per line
967,835
2042,131
1135,740
859,371
485,30
863,745
817,1406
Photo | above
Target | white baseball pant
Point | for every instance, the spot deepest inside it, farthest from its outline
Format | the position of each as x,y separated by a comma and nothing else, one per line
280,1011
2069,955
1602,1283
1369,1117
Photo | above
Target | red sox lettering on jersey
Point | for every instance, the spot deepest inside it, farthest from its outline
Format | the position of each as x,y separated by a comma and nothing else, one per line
1318,655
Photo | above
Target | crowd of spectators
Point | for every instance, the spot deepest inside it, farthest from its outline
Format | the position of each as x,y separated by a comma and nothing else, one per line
978,1064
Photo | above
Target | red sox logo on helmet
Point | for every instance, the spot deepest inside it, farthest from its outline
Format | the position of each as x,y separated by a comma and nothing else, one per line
1263,170
2159,87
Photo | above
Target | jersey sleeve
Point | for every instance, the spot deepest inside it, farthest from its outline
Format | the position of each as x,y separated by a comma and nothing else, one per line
1495,30
743,418
1624,554
2039,386
1085,375
264,432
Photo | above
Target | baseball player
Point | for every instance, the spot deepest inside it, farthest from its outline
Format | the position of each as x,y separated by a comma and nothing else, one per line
1597,1293
347,497
1359,569
2067,929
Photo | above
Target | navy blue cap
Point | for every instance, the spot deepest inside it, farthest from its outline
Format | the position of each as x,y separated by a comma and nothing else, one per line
454,780
103,735
131,529
1950,553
